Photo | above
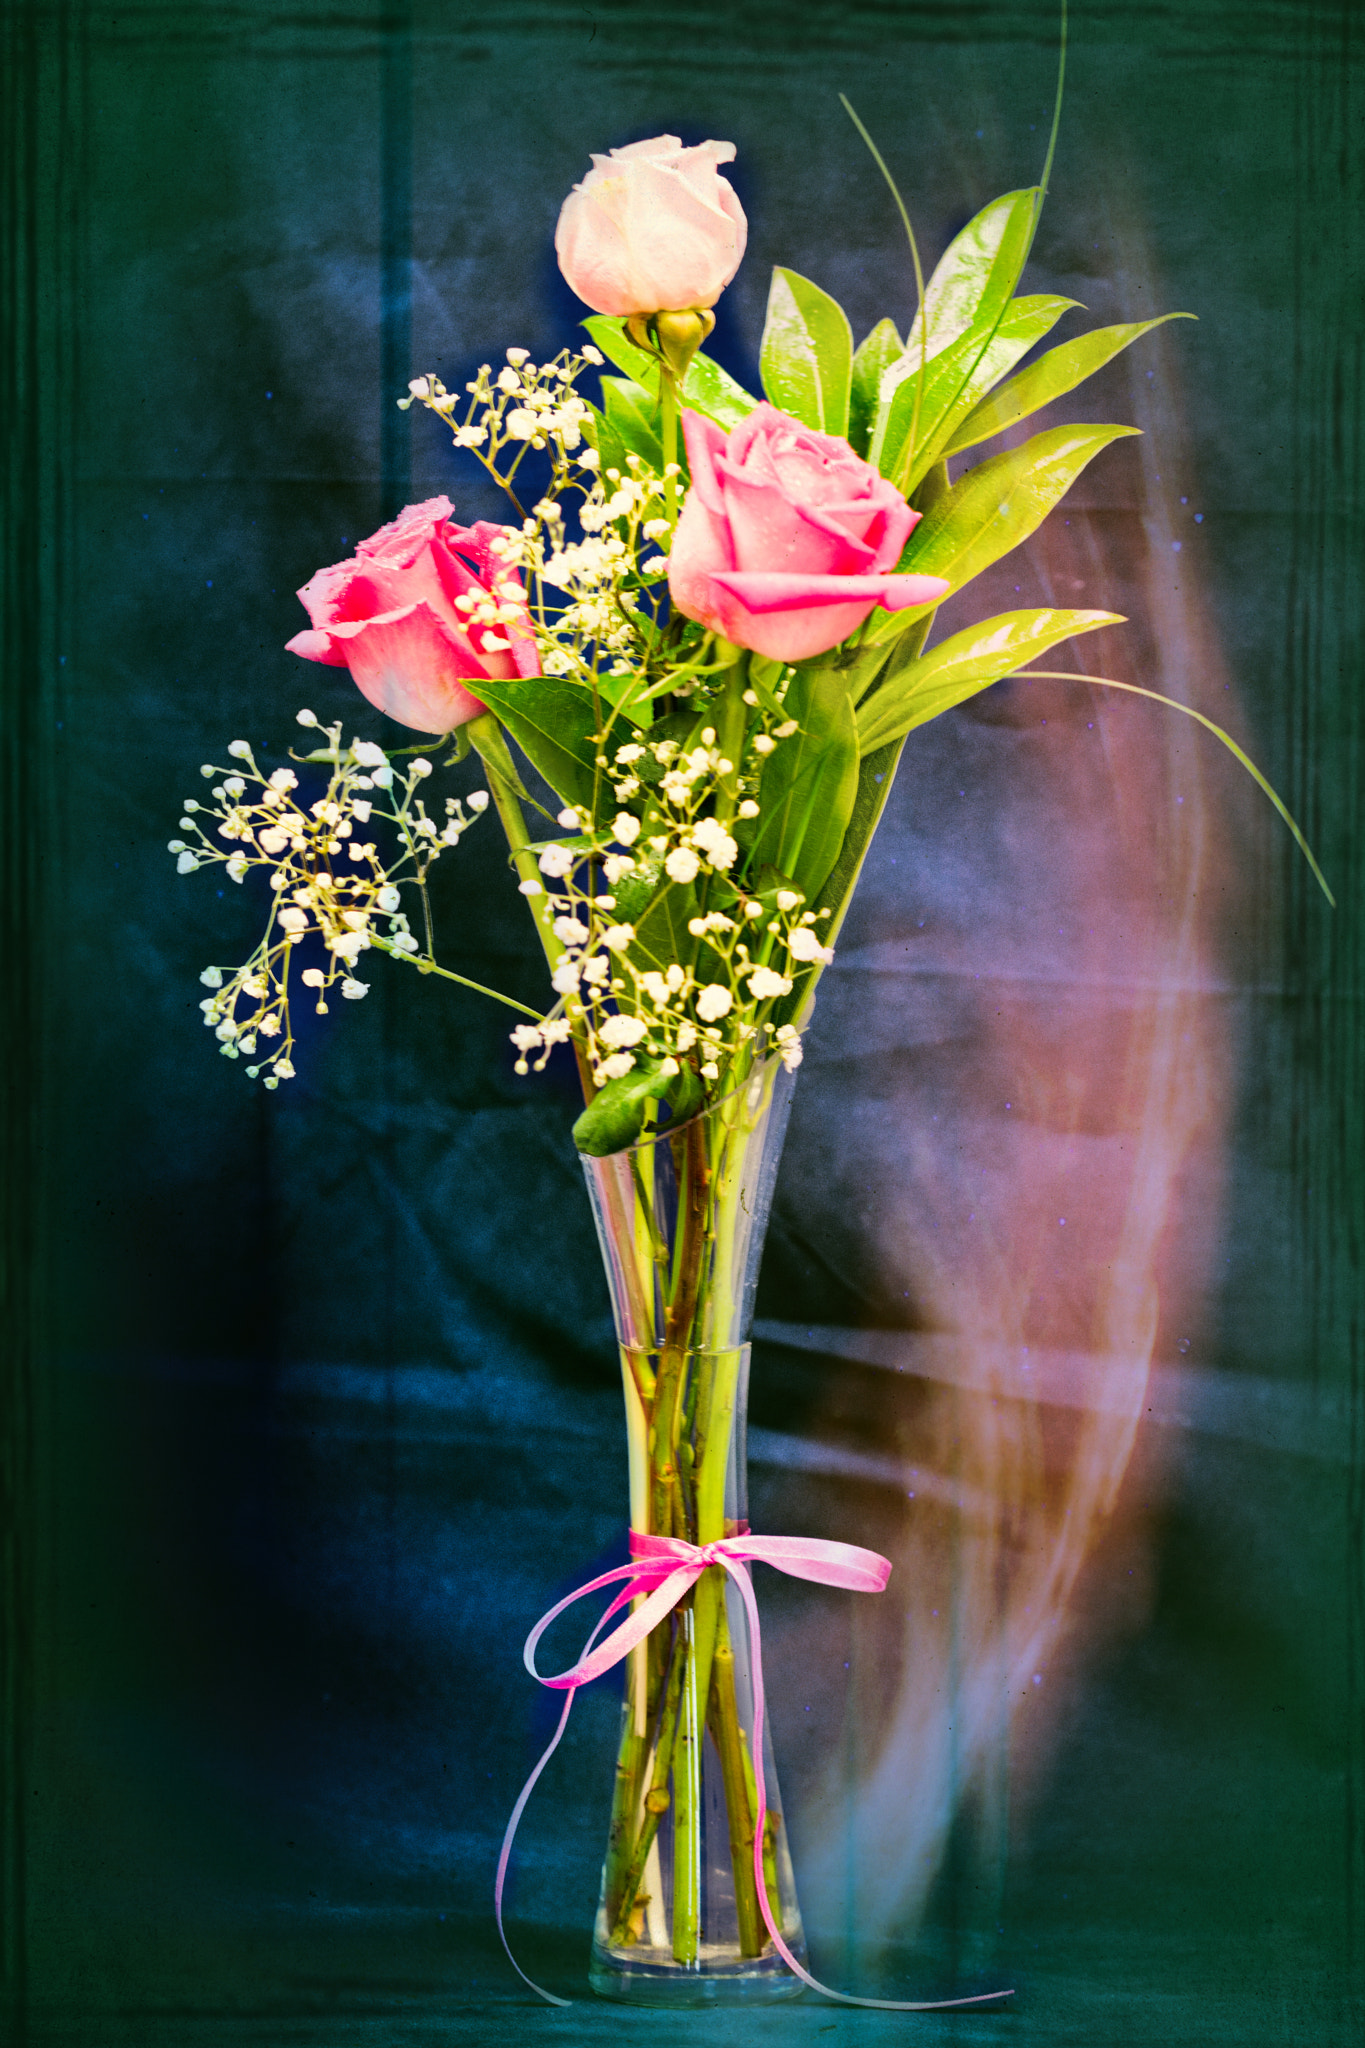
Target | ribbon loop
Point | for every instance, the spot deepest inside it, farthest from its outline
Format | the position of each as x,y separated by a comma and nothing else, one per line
664,1569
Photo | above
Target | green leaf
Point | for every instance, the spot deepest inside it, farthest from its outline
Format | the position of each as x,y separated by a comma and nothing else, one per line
992,508
632,410
954,384
1059,371
976,277
874,355
661,934
608,443
876,773
913,692
709,389
615,1116
806,356
551,722
616,345
809,782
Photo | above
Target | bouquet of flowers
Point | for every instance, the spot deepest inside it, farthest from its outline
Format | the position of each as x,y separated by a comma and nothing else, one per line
707,628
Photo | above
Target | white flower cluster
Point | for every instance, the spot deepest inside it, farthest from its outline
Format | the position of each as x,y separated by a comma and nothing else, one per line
326,879
527,405
602,625
662,1016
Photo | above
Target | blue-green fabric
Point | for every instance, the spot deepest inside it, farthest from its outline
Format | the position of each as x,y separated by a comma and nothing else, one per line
311,1400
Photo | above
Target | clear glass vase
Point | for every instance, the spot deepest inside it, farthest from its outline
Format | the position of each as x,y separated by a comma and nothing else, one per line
681,1217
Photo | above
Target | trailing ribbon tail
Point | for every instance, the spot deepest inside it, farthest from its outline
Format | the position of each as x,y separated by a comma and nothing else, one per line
664,1569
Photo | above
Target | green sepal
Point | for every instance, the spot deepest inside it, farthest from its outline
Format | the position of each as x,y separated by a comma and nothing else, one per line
806,356
706,388
1052,376
912,692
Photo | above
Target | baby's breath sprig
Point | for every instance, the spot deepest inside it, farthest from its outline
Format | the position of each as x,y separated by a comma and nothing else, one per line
711,1012
596,602
327,880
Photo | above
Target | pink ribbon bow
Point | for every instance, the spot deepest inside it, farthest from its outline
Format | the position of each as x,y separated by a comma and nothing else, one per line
664,1568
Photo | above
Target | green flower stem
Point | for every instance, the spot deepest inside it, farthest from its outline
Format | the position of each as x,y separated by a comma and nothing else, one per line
630,1765
733,718
486,736
656,1798
426,966
687,1802
668,417
723,1721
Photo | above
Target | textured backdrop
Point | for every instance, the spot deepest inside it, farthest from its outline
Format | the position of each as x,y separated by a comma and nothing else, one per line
311,1405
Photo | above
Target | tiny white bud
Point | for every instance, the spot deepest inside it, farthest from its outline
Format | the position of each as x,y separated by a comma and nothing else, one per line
592,355
306,718
212,977
477,799
530,888
242,749
569,818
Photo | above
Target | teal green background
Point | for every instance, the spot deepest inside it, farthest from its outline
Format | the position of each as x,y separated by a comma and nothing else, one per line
263,1706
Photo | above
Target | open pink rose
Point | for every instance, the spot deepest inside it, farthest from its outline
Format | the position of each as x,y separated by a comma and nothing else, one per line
653,228
404,616
787,537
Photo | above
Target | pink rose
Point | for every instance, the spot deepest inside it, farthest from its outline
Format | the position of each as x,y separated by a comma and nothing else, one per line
787,537
653,228
402,615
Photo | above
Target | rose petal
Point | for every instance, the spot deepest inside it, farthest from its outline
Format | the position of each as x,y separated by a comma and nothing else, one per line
765,526
316,646
409,664
764,590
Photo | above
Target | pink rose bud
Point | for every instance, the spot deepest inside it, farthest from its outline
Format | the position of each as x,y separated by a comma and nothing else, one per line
416,618
787,538
653,228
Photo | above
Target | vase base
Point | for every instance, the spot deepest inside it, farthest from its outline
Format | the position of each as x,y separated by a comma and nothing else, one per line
632,1977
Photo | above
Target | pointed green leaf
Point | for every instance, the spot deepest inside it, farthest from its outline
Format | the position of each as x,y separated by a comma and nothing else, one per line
1059,371
808,785
874,355
608,443
551,722
807,354
992,508
709,389
978,272
661,934
913,692
616,345
631,410
954,384
876,773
